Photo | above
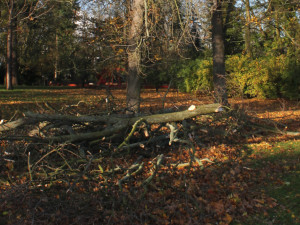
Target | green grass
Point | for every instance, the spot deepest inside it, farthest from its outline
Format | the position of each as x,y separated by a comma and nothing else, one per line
281,162
26,87
28,98
288,195
27,94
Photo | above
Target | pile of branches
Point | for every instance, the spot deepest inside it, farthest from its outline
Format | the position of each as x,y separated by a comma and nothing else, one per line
89,128
83,136
110,152
55,145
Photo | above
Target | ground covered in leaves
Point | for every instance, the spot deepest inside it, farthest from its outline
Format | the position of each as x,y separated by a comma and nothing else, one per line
239,177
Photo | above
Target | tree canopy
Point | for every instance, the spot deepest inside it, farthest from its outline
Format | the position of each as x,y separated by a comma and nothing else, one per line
43,41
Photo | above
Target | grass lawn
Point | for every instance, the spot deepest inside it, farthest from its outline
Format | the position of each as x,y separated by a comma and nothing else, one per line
279,163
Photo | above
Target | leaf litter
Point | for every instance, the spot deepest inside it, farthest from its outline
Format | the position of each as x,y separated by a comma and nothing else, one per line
78,184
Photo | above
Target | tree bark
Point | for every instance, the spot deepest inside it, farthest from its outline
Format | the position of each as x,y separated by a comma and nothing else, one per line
14,53
56,58
134,58
247,29
219,77
9,54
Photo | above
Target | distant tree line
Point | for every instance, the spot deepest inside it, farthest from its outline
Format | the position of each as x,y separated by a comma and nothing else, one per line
245,48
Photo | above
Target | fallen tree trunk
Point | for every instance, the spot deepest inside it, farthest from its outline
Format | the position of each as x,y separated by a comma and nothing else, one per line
122,123
177,116
104,126
12,125
113,124
71,118
156,118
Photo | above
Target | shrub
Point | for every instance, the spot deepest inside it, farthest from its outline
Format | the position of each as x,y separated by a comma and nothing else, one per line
264,77
195,75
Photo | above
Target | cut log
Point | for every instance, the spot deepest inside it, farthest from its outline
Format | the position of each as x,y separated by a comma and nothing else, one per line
177,116
12,125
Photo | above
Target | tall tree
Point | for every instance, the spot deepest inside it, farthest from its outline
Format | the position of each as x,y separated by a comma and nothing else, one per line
14,52
233,28
9,46
134,57
247,29
218,46
17,9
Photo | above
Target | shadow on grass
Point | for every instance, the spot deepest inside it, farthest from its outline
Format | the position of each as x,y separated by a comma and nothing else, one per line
279,164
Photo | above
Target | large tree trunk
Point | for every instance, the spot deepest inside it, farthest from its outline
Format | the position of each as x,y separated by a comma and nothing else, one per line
247,30
56,58
14,55
134,57
9,52
219,77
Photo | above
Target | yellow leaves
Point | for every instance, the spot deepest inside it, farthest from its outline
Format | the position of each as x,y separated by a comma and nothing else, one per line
120,51
5,213
157,57
254,20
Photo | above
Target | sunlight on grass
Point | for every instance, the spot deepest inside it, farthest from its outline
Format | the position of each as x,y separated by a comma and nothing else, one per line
280,162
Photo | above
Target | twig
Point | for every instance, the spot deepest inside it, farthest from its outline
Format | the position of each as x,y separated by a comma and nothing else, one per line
131,171
54,150
192,155
173,132
128,175
151,140
130,134
64,159
156,168
81,174
28,166
50,107
274,130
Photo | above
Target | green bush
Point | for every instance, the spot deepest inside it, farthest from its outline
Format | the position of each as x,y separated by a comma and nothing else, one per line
195,75
264,77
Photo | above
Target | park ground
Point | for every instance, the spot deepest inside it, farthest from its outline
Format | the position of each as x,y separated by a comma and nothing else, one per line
249,176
